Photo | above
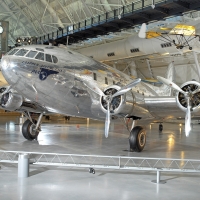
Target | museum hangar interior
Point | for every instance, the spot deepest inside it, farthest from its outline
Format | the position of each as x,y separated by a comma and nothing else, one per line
99,99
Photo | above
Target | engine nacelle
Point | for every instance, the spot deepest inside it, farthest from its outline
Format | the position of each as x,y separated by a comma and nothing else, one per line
121,105
189,86
11,101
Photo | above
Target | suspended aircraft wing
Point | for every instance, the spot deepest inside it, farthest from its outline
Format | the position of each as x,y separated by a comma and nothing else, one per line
179,29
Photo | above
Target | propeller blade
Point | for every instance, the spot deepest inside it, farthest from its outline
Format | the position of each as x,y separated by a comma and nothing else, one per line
188,119
197,90
94,88
126,88
107,122
171,84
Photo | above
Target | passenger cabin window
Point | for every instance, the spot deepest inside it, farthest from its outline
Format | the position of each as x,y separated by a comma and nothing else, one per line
106,80
21,52
48,58
55,59
31,54
95,76
40,56
13,51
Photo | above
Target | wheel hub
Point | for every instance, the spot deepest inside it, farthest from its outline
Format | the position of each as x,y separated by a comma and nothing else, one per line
142,139
33,132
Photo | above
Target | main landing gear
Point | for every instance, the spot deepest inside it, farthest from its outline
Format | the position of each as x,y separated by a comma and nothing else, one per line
31,127
137,138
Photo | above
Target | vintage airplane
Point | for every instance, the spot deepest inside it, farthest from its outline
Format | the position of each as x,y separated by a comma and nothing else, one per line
49,79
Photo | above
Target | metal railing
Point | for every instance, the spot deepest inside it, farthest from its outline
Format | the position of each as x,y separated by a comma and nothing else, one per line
108,162
123,11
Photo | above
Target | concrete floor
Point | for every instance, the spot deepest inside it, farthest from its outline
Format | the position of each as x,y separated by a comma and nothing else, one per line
80,137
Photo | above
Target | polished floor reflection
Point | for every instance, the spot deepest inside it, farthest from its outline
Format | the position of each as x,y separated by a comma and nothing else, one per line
82,136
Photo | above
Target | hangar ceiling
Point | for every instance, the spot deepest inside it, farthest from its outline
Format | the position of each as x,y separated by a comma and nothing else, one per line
40,17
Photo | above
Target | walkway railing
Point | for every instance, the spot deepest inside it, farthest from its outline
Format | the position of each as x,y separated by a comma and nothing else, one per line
96,161
110,162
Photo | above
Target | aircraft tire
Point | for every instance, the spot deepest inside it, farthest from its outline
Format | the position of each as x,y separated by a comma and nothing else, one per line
27,130
137,139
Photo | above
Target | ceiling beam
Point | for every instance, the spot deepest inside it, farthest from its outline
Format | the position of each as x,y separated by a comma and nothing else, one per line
52,12
68,14
88,10
27,18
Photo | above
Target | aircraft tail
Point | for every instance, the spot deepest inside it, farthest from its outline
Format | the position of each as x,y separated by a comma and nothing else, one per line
170,75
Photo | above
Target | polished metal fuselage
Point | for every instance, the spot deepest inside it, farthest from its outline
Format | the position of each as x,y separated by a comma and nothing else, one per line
62,87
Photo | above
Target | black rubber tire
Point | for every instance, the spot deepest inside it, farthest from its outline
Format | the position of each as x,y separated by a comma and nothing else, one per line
67,118
160,127
47,117
137,139
26,130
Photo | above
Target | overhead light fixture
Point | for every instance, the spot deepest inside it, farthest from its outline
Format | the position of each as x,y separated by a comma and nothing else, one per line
18,40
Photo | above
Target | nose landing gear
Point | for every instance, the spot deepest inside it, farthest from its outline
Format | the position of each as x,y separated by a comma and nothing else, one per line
31,127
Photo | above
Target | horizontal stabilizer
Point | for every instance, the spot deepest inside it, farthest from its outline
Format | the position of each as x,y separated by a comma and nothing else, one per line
142,32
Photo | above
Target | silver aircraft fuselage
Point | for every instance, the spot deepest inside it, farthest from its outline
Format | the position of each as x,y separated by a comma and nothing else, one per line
64,84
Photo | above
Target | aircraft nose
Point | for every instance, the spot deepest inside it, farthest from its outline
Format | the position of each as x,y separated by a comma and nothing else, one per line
4,63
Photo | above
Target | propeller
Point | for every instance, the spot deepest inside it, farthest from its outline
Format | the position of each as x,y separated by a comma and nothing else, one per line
188,100
188,118
171,84
110,97
127,87
107,122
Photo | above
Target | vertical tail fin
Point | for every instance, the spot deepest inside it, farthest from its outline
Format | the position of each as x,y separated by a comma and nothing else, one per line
170,75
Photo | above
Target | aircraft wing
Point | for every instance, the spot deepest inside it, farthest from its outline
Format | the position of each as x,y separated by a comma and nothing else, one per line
163,107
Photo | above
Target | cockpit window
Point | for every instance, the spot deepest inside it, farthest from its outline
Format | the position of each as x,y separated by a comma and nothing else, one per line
55,59
21,52
31,54
48,58
13,51
40,56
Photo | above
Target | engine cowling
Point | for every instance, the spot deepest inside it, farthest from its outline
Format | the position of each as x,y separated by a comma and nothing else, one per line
189,86
11,101
121,105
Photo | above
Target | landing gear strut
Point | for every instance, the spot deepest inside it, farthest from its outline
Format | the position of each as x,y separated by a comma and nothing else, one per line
31,127
160,127
137,138
91,170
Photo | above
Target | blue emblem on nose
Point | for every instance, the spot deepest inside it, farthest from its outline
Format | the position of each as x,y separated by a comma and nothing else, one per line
44,73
